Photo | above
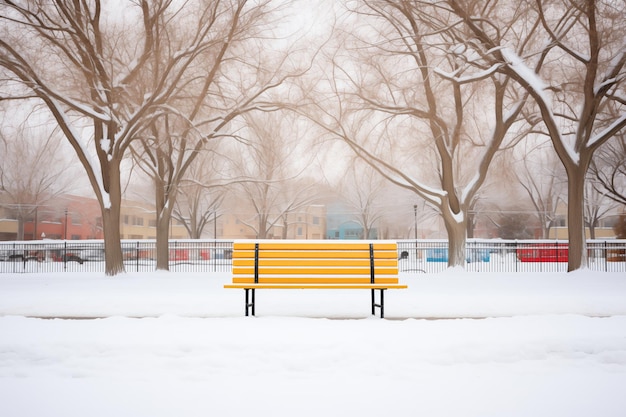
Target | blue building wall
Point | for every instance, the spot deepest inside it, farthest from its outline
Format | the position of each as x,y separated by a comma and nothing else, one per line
349,230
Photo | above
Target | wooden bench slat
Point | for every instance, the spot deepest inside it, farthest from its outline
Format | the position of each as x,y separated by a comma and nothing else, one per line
336,254
314,262
318,286
320,270
327,245
310,274
314,280
250,274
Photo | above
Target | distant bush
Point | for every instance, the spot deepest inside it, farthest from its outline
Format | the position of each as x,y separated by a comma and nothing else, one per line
515,226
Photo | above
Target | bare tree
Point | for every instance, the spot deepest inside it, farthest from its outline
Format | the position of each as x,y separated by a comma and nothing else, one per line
218,89
362,189
200,197
85,66
543,179
570,56
608,169
106,75
597,206
33,171
412,106
270,157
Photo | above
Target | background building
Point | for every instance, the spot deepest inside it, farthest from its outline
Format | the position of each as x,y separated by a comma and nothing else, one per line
307,223
77,218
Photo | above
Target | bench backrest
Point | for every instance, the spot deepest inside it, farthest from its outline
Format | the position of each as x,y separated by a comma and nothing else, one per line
315,262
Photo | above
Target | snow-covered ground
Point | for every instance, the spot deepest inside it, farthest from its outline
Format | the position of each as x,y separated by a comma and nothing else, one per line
177,344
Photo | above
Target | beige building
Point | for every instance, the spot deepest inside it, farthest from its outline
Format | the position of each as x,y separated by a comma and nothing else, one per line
603,230
8,227
76,218
138,221
307,223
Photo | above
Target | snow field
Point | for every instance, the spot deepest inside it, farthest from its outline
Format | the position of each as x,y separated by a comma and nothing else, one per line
554,346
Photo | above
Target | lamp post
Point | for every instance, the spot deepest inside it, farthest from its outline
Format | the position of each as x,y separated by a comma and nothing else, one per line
65,243
415,212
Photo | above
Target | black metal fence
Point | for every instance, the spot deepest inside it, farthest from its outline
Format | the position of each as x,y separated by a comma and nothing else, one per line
420,256
487,255
88,256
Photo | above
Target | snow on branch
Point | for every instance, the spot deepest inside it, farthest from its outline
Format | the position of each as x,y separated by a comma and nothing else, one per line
608,131
614,73
516,63
470,78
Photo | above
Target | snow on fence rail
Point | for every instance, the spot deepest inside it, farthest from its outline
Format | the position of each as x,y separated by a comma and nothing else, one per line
421,256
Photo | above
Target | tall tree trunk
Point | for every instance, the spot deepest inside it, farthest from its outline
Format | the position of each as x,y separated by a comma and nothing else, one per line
162,241
114,262
577,251
20,227
471,218
163,218
262,230
456,228
592,230
285,225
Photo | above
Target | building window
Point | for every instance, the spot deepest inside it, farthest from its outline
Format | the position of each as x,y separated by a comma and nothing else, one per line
152,223
299,231
126,219
316,220
608,222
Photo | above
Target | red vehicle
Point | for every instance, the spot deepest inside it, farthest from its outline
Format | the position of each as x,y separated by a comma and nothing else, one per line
543,252
179,254
61,255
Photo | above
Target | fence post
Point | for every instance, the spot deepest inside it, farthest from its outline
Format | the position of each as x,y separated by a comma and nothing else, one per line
137,256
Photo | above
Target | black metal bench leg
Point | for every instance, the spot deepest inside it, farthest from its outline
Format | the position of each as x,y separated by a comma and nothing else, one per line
382,302
249,305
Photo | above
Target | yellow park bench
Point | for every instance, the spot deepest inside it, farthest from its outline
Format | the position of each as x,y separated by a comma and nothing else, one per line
315,265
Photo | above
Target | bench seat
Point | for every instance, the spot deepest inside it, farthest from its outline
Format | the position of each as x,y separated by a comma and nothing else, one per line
315,265
288,286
